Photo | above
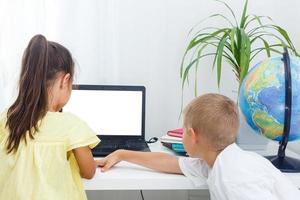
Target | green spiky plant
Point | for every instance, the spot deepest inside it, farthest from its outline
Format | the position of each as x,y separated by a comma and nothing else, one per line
237,44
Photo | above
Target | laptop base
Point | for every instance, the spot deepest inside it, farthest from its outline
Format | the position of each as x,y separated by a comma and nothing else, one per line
111,144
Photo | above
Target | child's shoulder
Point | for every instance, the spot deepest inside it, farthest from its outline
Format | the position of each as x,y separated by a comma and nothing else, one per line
61,122
3,118
246,163
3,114
64,117
64,120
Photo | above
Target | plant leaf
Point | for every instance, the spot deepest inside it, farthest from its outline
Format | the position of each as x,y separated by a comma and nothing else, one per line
231,11
232,40
258,50
254,30
186,71
207,18
267,47
258,19
286,37
244,17
196,68
196,41
220,55
244,55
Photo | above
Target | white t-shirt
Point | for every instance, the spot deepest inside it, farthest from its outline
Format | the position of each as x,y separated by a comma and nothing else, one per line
240,175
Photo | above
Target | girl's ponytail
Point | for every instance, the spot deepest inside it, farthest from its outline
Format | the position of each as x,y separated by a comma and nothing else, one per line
32,101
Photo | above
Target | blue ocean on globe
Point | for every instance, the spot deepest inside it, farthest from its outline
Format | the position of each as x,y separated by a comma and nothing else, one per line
262,98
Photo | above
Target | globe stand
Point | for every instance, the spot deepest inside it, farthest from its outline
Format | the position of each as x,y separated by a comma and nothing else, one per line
282,162
285,164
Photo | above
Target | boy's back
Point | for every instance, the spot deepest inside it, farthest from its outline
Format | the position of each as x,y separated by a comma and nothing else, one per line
238,174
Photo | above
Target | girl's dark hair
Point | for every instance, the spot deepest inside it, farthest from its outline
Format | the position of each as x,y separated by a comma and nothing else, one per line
41,63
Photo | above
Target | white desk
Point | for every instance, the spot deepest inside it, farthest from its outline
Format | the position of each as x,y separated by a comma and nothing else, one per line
127,176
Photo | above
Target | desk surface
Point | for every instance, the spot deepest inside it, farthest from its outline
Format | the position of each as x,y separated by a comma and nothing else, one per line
127,176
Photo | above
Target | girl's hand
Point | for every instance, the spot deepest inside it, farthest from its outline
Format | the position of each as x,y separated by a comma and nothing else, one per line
109,161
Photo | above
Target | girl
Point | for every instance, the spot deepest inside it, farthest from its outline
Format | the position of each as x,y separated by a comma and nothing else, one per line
44,153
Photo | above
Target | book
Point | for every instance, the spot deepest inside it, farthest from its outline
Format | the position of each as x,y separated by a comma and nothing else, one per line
173,140
178,148
176,132
175,135
170,139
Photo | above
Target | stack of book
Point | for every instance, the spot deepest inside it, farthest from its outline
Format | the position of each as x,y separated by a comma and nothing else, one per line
173,140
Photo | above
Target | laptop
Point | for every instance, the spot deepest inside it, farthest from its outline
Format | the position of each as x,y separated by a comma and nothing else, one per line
116,113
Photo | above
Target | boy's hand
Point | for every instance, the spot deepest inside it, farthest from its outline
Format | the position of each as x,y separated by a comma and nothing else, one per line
109,161
154,160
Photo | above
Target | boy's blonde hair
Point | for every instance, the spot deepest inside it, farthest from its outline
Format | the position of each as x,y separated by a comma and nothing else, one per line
214,116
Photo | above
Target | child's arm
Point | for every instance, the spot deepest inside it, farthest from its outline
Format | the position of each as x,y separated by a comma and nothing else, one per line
85,162
154,160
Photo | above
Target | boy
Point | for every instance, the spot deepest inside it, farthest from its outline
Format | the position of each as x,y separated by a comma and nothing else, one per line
211,124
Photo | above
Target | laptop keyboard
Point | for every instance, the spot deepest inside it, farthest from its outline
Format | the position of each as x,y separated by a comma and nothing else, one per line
112,145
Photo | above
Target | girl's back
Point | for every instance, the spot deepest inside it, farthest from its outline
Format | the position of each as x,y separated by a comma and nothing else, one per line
43,163
43,168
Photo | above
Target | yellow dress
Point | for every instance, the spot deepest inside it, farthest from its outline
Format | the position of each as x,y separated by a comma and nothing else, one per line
45,168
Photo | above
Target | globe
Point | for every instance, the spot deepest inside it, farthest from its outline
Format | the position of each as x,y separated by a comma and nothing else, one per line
262,98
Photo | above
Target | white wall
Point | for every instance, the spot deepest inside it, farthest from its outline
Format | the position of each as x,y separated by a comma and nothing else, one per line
127,42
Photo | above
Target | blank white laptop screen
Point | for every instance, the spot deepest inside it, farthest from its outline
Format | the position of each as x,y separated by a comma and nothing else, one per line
108,112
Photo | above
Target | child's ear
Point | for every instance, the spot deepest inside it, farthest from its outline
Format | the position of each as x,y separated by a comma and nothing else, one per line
65,80
193,135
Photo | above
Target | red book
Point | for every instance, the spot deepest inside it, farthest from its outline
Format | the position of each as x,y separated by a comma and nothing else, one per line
176,132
